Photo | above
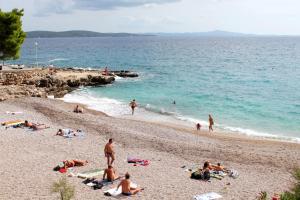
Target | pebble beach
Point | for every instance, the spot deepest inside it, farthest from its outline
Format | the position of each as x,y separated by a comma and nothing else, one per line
28,157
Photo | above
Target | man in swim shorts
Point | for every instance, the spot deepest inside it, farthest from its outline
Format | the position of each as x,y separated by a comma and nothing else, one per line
132,104
211,122
109,152
126,189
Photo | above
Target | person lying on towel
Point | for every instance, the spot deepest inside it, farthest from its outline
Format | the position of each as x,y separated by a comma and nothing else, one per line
74,163
110,173
34,126
218,167
126,189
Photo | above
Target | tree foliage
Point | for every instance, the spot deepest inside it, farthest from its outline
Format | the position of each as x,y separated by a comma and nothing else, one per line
11,34
65,190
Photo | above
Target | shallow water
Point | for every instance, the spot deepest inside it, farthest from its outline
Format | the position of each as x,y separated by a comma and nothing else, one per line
249,85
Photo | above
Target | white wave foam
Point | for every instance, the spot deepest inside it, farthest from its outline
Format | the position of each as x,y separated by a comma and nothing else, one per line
57,59
111,107
149,112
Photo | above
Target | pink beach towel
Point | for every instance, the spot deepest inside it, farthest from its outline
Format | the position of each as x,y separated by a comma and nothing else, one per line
137,161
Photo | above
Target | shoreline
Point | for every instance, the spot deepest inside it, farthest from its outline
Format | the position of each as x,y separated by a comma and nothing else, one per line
263,165
173,121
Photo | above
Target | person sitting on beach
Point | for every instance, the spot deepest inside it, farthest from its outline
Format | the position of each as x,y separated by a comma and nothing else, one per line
110,173
208,165
78,109
132,104
109,152
198,126
60,132
126,189
206,171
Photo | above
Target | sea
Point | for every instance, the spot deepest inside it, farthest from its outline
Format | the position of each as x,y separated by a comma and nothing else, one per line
250,85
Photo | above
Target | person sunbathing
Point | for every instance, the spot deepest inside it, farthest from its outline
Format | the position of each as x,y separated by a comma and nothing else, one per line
77,109
110,173
34,126
74,163
208,164
126,189
27,124
218,167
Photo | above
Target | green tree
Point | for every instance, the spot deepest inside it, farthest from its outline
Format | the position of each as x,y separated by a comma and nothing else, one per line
11,34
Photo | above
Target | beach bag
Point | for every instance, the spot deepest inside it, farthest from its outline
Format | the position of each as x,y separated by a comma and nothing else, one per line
196,175
98,185
206,175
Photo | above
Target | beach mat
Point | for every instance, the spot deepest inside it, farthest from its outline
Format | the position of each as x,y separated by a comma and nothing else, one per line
208,196
13,113
114,192
91,173
12,123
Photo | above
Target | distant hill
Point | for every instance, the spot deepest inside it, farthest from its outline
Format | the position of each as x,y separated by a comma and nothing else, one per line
52,34
216,33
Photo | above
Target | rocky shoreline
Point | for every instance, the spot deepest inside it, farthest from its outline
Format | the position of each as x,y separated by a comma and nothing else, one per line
43,82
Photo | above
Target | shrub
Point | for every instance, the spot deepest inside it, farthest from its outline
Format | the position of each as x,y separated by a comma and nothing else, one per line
65,190
294,194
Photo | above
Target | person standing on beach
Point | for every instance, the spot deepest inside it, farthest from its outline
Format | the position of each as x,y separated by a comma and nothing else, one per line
109,152
211,122
106,71
198,126
132,104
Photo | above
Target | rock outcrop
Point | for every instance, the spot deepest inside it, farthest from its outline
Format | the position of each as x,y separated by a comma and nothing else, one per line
48,81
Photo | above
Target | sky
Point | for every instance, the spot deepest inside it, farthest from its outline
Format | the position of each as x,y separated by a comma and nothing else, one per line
152,16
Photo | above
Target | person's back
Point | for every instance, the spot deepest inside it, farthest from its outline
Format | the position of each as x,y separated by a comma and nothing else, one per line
110,174
125,186
126,189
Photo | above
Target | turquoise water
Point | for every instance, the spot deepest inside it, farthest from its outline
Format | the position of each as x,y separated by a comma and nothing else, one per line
249,85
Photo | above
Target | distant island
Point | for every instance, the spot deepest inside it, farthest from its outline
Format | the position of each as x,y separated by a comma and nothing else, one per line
216,33
83,33
54,34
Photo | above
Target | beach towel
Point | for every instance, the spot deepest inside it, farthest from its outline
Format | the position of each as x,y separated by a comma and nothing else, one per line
114,192
12,123
13,113
207,196
216,176
137,161
69,133
93,182
91,173
233,173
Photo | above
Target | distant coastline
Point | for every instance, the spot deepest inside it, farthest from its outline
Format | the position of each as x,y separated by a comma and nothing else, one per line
84,33
75,33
